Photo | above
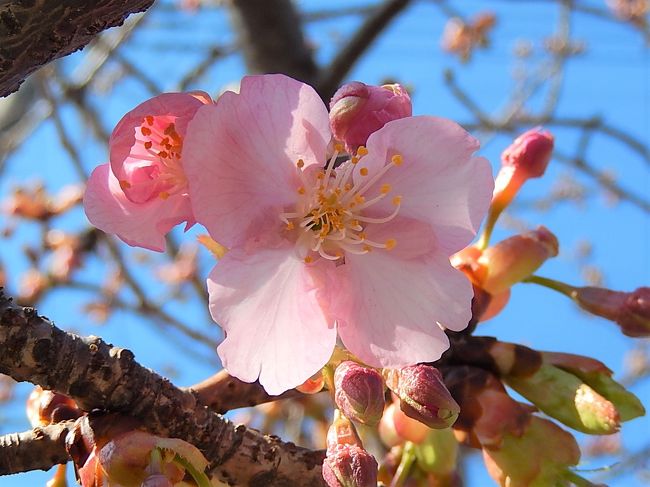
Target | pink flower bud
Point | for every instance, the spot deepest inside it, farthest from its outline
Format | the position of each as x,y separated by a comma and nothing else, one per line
631,311
357,110
359,392
423,395
513,259
349,466
527,157
530,153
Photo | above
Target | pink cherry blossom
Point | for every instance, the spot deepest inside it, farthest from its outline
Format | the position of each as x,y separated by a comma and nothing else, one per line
359,252
142,192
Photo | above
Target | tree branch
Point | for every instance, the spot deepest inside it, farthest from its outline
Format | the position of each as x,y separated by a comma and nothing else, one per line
271,36
34,33
36,449
99,376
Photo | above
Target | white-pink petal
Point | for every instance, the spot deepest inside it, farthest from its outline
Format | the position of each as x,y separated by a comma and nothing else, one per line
142,225
270,305
440,182
387,308
240,154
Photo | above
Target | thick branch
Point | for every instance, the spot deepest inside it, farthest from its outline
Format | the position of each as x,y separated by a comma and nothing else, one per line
271,36
36,449
98,375
36,32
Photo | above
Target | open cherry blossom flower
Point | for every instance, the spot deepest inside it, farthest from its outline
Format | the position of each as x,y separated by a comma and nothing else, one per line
358,252
142,192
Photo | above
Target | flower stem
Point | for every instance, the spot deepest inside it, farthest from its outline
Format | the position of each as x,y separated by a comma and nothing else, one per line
405,464
558,286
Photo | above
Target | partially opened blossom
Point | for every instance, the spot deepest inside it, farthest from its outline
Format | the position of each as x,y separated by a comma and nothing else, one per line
142,192
360,252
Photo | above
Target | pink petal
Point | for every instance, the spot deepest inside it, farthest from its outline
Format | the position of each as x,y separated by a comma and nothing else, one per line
439,180
240,155
181,106
387,307
270,305
142,225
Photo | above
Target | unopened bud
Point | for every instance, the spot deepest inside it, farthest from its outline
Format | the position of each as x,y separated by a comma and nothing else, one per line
530,153
514,259
423,395
568,399
395,427
349,466
346,463
359,392
527,157
357,110
631,311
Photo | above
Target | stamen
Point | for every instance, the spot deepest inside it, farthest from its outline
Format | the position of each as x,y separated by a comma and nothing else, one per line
390,244
125,184
301,190
363,171
385,188
148,119
397,159
362,151
309,259
146,131
397,200
163,195
300,163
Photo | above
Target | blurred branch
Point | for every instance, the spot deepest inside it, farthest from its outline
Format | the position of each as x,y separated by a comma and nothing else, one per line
333,75
99,376
34,33
270,33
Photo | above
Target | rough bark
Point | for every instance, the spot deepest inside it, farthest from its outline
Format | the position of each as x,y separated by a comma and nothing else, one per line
36,449
270,34
99,376
35,32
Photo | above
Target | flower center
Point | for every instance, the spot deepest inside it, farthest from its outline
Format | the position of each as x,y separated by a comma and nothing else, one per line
153,169
330,217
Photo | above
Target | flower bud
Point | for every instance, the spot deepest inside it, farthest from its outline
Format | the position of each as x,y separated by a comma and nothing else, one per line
631,311
349,466
346,463
423,395
514,259
359,392
357,110
530,153
395,427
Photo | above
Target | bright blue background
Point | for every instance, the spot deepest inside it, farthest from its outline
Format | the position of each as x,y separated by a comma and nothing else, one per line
611,80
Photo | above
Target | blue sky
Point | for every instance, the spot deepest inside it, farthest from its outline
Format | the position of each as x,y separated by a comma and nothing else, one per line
611,80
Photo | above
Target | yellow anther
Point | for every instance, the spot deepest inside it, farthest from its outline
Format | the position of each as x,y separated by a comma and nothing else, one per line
148,144
362,151
367,248
390,244
363,171
301,190
338,191
320,175
339,254
355,223
359,199
397,200
338,147
354,160
163,195
347,187
385,188
145,131
125,184
362,236
397,159
289,225
300,163
308,259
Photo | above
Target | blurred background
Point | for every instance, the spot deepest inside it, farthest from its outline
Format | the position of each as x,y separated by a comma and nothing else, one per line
580,68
